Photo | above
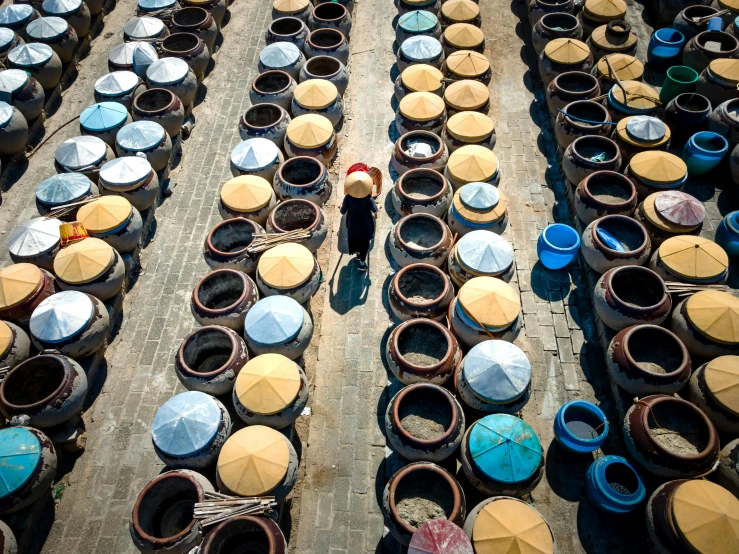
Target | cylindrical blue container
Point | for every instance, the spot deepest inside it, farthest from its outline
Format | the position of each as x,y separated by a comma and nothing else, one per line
614,486
715,24
580,427
704,151
557,246
727,234
665,47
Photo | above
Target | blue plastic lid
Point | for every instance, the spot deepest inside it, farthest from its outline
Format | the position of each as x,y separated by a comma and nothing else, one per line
484,252
103,116
255,153
274,320
418,21
505,448
279,54
609,240
479,196
7,36
186,423
141,135
20,454
15,13
421,48
497,371
155,5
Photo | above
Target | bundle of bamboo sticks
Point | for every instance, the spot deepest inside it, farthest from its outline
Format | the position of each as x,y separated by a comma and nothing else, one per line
66,209
270,240
220,507
686,289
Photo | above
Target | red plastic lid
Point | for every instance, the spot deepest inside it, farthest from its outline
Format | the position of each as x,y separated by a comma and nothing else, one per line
440,536
358,167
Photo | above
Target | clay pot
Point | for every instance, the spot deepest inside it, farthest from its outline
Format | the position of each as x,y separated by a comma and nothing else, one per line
724,120
577,162
324,153
540,8
434,153
226,245
255,534
223,297
188,47
148,29
714,88
555,25
145,138
617,38
105,286
422,191
9,39
421,49
604,193
126,237
571,122
119,86
13,131
49,389
299,214
295,10
59,190
422,351
305,178
327,42
216,8
697,56
334,112
421,23
472,334
629,295
267,121
671,438
64,42
469,524
328,68
549,69
38,483
698,344
405,125
142,195
26,94
685,115
198,22
432,6
258,157
600,254
36,241
569,87
17,348
488,254
210,358
161,106
722,415
330,15
444,422
420,290
17,17
291,339
420,238
184,85
287,29
20,314
301,292
78,16
727,474
685,21
45,66
273,87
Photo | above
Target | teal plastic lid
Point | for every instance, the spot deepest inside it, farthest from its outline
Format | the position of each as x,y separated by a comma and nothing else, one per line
20,454
418,21
103,116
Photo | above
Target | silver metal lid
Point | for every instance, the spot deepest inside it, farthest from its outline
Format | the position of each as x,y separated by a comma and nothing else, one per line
485,252
11,81
255,153
122,172
47,28
15,13
144,54
61,316
274,320
103,116
30,55
80,152
122,54
33,237
186,423
144,27
117,83
155,5
167,71
479,196
421,48
7,36
6,113
63,189
497,371
141,135
61,7
646,128
279,54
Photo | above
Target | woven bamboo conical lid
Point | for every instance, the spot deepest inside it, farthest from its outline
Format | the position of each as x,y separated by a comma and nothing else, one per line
651,215
422,78
567,51
268,384
289,6
470,126
466,95
358,184
729,4
253,461
460,10
84,261
605,41
488,215
693,257
6,338
472,163
624,135
464,35
246,193
467,63
658,167
722,380
726,69
105,213
422,106
605,10
509,526
17,283
316,94
310,131
628,68
490,301
715,314
680,208
707,517
286,266
640,95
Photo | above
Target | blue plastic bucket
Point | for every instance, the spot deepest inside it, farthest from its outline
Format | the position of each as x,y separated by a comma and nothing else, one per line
557,246
704,151
727,234
580,427
614,486
665,47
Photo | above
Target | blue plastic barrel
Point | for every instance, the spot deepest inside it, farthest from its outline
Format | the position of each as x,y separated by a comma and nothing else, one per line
704,151
727,234
665,47
614,486
557,246
715,24
580,427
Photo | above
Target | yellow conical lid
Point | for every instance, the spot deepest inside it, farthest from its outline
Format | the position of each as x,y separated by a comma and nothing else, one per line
289,6
480,216
729,4
310,131
490,301
472,163
605,10
253,461
422,78
604,41
628,68
726,69
624,135
466,63
651,215
640,95
286,266
464,35
105,213
722,380
658,167
466,95
421,106
509,526
470,126
568,51
358,184
316,94
707,517
693,257
6,338
460,10
83,261
17,283
715,314
246,193
268,384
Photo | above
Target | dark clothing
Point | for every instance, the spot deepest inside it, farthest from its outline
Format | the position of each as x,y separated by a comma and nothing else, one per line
360,220
359,247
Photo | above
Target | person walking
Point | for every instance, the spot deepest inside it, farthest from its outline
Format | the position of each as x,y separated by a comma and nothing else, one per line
360,209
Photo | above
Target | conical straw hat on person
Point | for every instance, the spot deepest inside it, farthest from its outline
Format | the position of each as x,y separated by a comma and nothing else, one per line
358,184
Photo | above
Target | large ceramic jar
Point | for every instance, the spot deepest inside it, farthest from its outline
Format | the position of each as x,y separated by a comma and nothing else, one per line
571,86
134,56
579,119
40,61
8,38
459,11
84,155
327,42
419,150
265,121
704,322
686,21
478,206
640,133
74,12
278,325
724,120
481,253
472,164
700,51
16,17
161,106
35,241
727,474
15,345
640,99
300,9
405,6
419,78
313,136
656,171
420,238
420,290
604,193
562,55
223,297
248,531
297,213
175,75
198,22
226,246
290,270
327,68
305,178
287,29
281,56
132,178
216,8
25,286
422,191
718,82
91,266
628,68
541,8
331,15
691,259
114,220
161,9
727,232
273,87
553,26
13,131
615,241
600,12
670,213
24,92
146,138
415,24
466,128
421,49
119,86
63,189
149,29
588,154
256,156
467,64
422,351
713,389
463,36
614,38
247,196
57,33
190,48
467,95
320,97
104,120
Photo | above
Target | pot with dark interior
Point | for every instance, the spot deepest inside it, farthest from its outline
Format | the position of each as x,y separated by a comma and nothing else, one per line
570,87
420,238
555,25
629,295
161,106
331,15
198,22
49,388
327,42
210,358
711,388
581,118
685,115
273,87
188,47
724,120
648,359
424,422
328,68
299,214
226,245
419,150
604,193
260,535
690,21
267,121
223,297
417,493
305,178
422,191
670,437
420,290
700,51
422,351
162,517
287,29
588,154
217,8
614,241
541,8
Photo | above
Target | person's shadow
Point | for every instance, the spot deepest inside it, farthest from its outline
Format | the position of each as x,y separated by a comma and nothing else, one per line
352,286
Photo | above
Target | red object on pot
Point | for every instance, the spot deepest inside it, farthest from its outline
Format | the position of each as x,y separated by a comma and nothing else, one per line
440,536
373,172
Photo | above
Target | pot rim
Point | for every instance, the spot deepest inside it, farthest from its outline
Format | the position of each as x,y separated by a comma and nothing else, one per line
626,220
712,136
627,334
283,113
588,407
302,159
427,267
559,14
22,366
401,154
704,36
426,369
300,21
258,521
254,87
595,138
199,44
207,17
173,100
640,310
553,3
436,220
583,74
584,185
417,172
344,13
433,389
209,238
322,57
212,275
316,213
206,329
578,123
326,31
692,95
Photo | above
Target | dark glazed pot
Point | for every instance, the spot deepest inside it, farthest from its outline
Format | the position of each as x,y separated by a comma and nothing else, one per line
303,177
697,56
331,15
577,161
223,297
724,120
64,45
617,38
681,15
287,29
216,8
299,214
632,235
719,409
685,115
541,8
188,47
327,42
226,245
328,68
420,238
197,21
252,534
604,193
570,87
420,290
267,121
579,119
161,106
555,25
549,69
273,87
403,161
629,295
422,191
